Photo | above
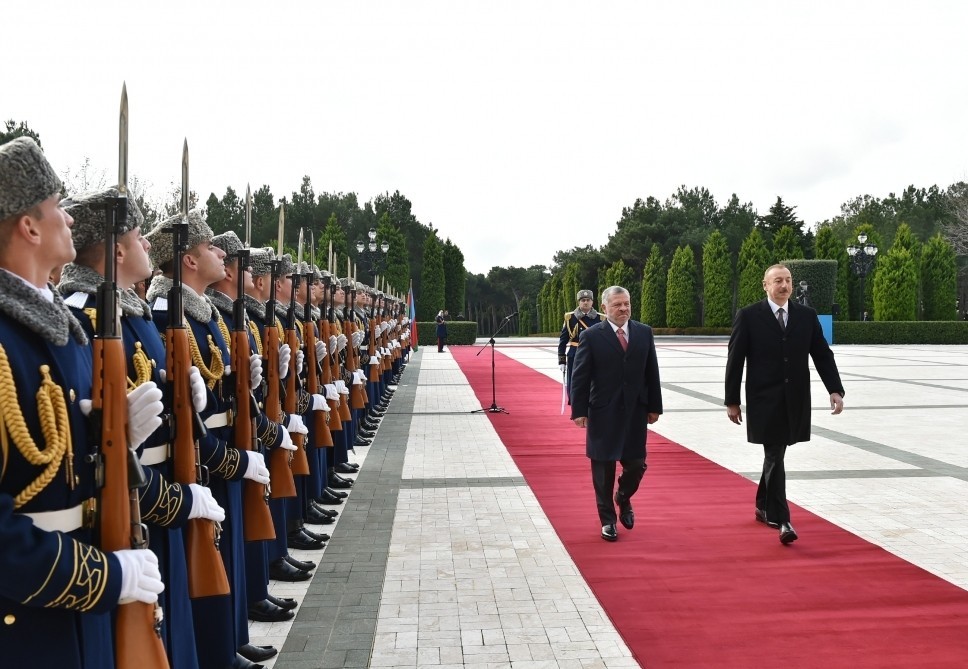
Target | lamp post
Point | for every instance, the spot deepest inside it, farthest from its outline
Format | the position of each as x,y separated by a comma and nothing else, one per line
370,256
861,263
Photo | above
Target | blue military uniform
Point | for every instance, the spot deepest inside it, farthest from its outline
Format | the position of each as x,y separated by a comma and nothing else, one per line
575,322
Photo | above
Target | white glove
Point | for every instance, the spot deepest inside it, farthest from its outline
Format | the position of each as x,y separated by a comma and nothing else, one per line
331,392
199,391
318,402
340,343
204,505
144,412
255,370
255,468
296,425
357,338
341,387
358,377
140,577
300,358
286,443
374,360
285,355
562,368
320,350
332,342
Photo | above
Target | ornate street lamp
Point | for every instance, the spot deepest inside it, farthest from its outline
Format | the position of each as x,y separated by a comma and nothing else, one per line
862,262
370,256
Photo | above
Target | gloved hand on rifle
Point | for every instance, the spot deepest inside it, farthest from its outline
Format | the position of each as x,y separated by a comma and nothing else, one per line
140,576
144,412
255,467
332,342
199,390
331,392
320,350
340,343
562,367
286,441
357,338
204,505
318,403
285,355
341,387
295,424
300,358
255,370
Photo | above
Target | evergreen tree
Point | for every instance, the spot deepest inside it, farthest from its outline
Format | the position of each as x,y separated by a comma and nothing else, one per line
717,270
15,130
681,291
754,258
431,298
397,270
896,287
455,278
786,246
939,280
333,237
620,274
554,297
654,289
525,318
829,247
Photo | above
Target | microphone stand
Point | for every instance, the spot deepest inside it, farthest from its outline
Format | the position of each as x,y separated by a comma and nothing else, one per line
494,408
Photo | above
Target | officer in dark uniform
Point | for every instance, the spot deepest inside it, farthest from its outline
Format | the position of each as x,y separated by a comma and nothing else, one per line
56,589
582,318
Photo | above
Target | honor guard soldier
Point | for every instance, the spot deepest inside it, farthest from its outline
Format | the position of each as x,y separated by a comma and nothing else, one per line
221,622
56,589
165,506
577,321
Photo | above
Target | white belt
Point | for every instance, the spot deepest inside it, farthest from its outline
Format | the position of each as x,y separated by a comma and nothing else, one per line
154,455
218,420
65,520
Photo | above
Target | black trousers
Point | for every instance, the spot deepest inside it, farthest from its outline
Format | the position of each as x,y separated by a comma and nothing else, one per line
603,479
771,493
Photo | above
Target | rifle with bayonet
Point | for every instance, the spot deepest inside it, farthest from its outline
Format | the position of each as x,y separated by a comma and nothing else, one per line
344,408
206,571
334,425
257,519
358,398
320,427
300,461
280,473
137,625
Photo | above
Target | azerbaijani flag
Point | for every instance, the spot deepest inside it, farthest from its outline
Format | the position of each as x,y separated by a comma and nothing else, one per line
412,315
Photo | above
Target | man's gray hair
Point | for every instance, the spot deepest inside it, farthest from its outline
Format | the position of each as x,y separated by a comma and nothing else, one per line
612,290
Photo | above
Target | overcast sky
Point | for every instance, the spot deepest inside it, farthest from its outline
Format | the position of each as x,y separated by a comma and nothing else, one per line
517,128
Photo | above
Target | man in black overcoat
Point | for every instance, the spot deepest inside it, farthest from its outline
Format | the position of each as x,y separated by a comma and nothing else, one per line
774,339
615,394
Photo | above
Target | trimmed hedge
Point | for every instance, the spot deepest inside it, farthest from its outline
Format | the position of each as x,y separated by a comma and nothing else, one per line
901,332
458,333
821,278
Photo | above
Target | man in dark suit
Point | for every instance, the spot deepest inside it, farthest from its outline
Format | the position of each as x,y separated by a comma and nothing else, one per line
774,339
615,394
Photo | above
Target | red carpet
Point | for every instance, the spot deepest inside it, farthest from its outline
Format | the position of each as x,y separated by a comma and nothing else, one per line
698,583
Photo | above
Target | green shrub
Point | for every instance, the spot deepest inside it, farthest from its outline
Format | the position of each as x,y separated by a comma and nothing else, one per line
901,332
821,277
458,332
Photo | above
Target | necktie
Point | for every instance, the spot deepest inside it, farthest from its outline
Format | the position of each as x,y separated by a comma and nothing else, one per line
779,317
622,340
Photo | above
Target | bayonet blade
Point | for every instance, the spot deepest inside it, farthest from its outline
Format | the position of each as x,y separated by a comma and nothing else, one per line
282,228
184,187
312,246
299,252
248,215
123,143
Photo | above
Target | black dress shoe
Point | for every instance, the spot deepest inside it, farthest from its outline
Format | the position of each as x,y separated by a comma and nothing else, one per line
360,441
327,497
287,603
316,517
787,534
609,533
301,541
625,514
257,653
337,493
761,518
336,481
315,536
372,426
347,468
332,513
266,612
301,565
280,570
364,433
241,663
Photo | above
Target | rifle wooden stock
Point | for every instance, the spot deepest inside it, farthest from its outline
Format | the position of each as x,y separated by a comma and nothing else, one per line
357,396
374,375
206,571
257,520
300,462
137,644
320,426
280,474
334,420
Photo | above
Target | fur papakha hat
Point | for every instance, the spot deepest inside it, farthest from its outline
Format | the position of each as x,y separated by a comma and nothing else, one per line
26,178
161,244
87,210
260,260
288,266
230,243
583,294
